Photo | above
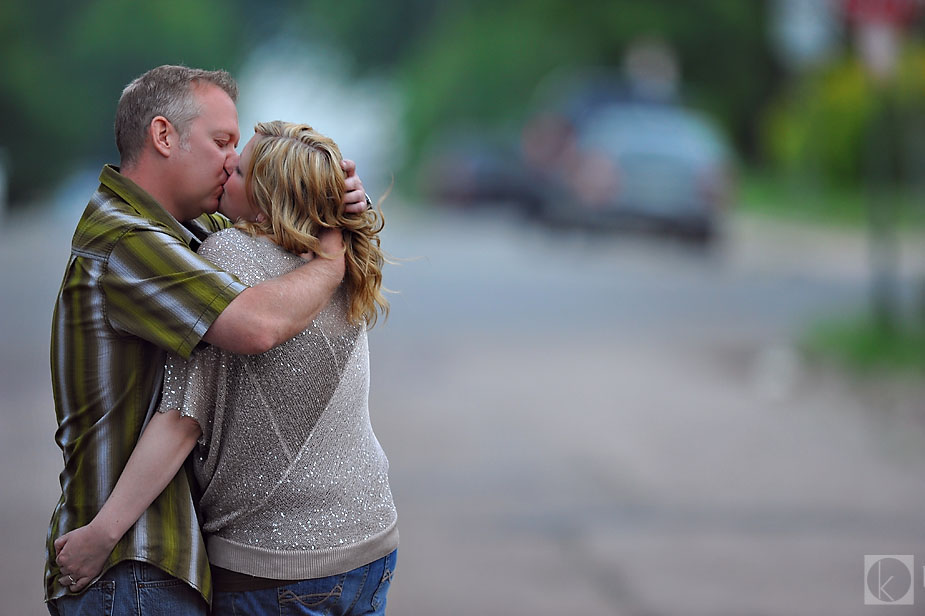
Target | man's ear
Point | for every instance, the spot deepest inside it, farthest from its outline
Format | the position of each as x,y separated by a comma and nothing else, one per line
162,134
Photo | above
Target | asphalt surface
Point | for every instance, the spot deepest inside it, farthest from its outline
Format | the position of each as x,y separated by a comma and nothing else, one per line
595,425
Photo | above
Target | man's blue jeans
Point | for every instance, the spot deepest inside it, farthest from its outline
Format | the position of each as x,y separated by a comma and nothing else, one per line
361,591
132,588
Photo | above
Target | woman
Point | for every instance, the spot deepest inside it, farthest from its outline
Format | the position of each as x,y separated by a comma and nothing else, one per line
295,502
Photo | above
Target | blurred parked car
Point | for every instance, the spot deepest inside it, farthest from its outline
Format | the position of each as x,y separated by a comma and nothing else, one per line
638,165
474,169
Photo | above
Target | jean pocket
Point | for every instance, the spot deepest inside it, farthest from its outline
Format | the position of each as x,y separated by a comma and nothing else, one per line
388,572
168,596
97,599
314,594
150,576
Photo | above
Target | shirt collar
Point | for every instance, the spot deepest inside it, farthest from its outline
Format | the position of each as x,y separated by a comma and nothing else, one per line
144,203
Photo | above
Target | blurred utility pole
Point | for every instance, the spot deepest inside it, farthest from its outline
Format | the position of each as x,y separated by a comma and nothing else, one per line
4,198
879,28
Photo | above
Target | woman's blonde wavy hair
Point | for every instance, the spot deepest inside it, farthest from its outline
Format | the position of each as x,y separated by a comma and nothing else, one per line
294,177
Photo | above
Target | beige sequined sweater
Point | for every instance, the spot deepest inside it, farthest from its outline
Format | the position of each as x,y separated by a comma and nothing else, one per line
294,484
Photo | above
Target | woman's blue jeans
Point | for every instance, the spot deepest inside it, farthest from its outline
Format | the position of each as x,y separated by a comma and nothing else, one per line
361,591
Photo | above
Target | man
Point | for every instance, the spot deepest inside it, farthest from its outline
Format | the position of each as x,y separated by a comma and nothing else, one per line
133,289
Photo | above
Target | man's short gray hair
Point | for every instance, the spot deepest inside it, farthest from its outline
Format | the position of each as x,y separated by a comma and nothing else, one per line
163,91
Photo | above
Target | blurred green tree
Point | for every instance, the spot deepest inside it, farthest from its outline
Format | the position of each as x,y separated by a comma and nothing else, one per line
457,61
65,64
480,61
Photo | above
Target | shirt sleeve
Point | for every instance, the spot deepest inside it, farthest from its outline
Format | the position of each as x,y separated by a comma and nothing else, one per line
193,387
158,289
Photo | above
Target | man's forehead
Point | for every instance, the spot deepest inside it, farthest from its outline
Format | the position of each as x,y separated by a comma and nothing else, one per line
217,112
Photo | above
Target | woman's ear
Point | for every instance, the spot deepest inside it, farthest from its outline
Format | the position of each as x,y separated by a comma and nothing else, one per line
261,217
161,132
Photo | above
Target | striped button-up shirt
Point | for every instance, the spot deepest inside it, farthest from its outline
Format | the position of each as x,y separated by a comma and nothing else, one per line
134,288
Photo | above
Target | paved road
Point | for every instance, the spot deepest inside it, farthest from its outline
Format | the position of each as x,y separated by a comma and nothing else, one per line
579,425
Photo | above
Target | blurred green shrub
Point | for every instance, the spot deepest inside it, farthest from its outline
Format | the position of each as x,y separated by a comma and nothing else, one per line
831,122
863,344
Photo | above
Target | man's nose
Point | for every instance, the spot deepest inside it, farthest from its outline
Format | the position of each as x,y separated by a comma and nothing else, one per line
231,162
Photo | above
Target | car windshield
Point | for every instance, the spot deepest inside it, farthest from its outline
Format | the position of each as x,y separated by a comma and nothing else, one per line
643,129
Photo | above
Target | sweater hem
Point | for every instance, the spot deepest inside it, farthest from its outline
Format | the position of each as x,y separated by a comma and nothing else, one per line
300,564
